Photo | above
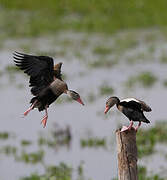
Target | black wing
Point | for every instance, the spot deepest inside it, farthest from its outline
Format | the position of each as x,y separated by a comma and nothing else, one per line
132,105
39,68
144,106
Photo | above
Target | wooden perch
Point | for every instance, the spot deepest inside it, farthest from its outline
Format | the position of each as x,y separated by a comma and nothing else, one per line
127,155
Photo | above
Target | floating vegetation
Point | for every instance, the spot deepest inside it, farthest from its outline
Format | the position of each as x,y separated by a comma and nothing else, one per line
8,150
93,142
106,89
25,142
4,135
163,58
91,97
142,172
165,83
12,69
101,50
58,137
154,135
33,157
59,172
106,63
146,79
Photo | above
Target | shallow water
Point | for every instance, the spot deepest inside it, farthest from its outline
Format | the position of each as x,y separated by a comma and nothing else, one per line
99,163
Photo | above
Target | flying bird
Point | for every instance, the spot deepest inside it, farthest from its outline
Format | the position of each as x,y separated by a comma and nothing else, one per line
45,81
132,108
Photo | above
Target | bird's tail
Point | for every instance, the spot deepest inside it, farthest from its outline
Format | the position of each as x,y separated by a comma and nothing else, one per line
145,120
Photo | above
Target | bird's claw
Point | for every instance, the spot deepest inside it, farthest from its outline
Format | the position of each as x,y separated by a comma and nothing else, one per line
44,121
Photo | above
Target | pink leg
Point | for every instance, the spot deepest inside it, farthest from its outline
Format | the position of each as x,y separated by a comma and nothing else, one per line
29,109
44,120
124,128
136,128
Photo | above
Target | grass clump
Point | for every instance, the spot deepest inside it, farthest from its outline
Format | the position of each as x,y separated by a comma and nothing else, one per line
100,50
4,135
25,142
146,79
38,18
33,158
93,142
8,150
106,89
147,139
59,172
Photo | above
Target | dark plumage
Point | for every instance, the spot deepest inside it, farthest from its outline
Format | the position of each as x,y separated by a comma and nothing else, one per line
132,108
45,81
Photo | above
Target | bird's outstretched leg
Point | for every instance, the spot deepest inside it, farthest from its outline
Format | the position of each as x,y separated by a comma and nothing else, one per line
30,108
125,128
136,128
45,118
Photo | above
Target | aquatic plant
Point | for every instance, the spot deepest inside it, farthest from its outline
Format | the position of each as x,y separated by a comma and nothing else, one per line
146,79
93,142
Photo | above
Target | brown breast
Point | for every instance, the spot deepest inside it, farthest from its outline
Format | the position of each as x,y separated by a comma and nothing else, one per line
58,87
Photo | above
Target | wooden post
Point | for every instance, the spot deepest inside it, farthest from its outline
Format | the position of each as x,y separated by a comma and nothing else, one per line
127,155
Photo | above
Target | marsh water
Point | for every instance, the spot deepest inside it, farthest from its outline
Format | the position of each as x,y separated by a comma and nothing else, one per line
90,63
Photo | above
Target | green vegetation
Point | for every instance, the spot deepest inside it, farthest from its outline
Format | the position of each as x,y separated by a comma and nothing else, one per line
33,157
36,18
100,63
142,171
100,50
25,142
146,79
60,172
8,150
142,175
106,89
4,135
93,142
165,83
147,139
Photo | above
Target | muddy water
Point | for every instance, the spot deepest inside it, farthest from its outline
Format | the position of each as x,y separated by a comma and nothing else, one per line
99,163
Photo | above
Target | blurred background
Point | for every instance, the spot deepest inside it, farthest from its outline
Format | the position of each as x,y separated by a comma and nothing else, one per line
108,48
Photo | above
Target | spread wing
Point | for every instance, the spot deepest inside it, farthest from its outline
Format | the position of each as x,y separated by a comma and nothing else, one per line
39,68
57,71
144,106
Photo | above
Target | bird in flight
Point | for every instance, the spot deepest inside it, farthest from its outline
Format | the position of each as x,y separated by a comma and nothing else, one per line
45,81
132,108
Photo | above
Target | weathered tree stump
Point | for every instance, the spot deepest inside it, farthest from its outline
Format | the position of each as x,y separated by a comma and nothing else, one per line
127,155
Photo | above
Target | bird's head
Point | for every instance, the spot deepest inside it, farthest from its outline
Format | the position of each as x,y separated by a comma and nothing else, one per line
75,96
110,103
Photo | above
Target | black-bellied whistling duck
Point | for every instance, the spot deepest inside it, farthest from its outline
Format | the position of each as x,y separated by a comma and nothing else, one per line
132,108
45,80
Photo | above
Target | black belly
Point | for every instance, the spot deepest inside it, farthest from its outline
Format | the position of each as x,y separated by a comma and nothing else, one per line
133,115
45,98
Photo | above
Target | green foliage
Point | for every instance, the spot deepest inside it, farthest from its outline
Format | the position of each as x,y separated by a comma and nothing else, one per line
147,139
146,79
102,16
59,172
12,69
26,142
93,142
142,172
4,135
8,150
100,50
33,157
106,89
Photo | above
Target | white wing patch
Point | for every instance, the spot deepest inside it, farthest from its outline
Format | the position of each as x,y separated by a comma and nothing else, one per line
130,99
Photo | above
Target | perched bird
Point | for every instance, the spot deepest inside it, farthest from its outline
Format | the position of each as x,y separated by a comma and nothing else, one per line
132,108
45,81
